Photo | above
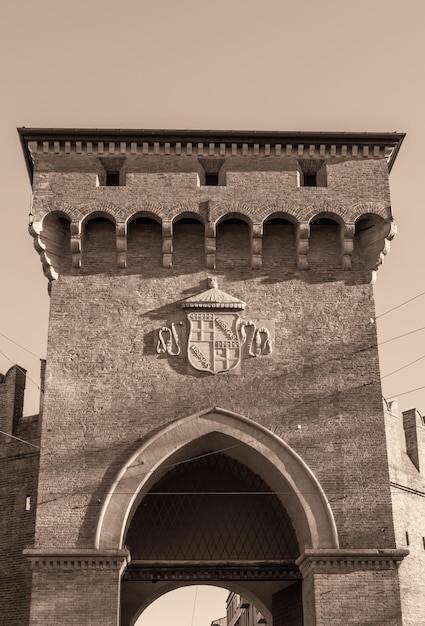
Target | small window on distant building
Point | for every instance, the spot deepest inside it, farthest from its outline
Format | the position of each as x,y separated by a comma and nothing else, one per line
112,179
312,173
113,174
211,173
211,180
310,180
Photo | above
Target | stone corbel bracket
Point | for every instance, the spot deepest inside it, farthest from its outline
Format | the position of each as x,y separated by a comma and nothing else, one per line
256,246
392,232
303,235
121,234
210,244
347,245
389,232
76,244
167,243
35,230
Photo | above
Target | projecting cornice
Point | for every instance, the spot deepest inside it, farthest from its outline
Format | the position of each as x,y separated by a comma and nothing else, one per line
208,143
71,559
336,561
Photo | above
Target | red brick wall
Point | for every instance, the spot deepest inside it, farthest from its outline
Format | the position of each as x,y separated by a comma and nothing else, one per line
18,479
12,388
163,179
358,597
75,598
288,606
107,387
408,497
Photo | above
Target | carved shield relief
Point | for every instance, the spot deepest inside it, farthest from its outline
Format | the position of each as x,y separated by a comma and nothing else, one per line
213,343
217,338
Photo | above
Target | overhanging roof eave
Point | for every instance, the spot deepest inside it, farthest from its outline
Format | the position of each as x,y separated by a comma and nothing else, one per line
198,136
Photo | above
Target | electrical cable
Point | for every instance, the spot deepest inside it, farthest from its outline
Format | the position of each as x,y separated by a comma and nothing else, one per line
399,305
22,371
194,605
411,332
20,346
170,466
299,404
404,393
403,367
250,441
19,439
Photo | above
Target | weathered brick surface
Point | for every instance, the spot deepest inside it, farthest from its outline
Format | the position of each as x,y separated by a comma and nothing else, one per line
353,188
408,497
75,598
357,598
288,606
18,479
12,388
110,388
107,387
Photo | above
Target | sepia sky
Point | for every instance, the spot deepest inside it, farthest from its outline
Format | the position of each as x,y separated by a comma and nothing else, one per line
332,65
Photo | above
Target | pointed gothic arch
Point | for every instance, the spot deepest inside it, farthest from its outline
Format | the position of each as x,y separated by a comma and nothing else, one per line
247,442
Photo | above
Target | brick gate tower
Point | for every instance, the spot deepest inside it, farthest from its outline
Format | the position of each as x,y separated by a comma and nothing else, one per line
212,407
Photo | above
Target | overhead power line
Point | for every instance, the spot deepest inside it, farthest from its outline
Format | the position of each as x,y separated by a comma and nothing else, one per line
411,332
403,367
194,605
338,391
19,439
404,393
399,305
20,346
22,370
200,456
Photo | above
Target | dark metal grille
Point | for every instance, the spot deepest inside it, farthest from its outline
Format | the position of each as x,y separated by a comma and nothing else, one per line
211,508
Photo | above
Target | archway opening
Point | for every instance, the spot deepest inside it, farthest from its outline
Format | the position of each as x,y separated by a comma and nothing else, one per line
188,244
370,241
56,237
279,246
144,245
193,605
259,464
211,508
220,431
99,245
233,244
201,605
210,519
324,253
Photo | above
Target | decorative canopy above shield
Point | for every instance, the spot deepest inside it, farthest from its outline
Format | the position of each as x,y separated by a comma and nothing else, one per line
214,298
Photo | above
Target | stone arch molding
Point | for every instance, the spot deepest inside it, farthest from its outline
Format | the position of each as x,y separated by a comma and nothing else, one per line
246,441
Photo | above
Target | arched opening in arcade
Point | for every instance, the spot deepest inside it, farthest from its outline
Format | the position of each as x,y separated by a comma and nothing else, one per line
201,605
216,499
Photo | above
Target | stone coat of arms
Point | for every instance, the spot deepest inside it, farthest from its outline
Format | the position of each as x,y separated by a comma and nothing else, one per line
216,337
